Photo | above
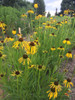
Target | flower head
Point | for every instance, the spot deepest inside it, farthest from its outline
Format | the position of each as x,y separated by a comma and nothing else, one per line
2,75
67,41
40,67
69,54
8,39
36,5
14,31
31,48
52,93
53,49
30,11
68,83
24,59
2,56
56,85
60,48
31,66
19,43
16,73
52,34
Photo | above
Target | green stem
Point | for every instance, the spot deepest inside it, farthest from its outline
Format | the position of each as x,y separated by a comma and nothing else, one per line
39,84
17,85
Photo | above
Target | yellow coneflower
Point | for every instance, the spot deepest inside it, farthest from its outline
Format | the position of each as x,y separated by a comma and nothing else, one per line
24,59
52,34
31,48
40,67
67,41
2,56
31,66
35,33
36,5
24,15
45,51
44,23
16,73
19,35
61,15
53,49
68,83
2,42
65,70
20,43
69,54
65,22
14,31
2,75
48,26
61,56
31,36
36,42
60,48
59,23
8,39
51,17
31,11
56,85
52,93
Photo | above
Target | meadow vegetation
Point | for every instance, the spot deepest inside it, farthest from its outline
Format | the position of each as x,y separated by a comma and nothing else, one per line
30,70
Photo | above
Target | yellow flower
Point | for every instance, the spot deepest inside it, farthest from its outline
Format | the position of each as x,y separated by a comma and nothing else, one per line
35,33
56,85
31,11
24,59
31,48
16,73
60,48
68,83
52,34
2,75
2,42
40,67
44,23
36,5
61,15
19,43
59,23
36,42
52,93
69,54
14,31
1,47
31,66
2,56
45,51
51,17
53,49
66,41
48,26
61,56
8,39
65,22
65,70
24,15
19,35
